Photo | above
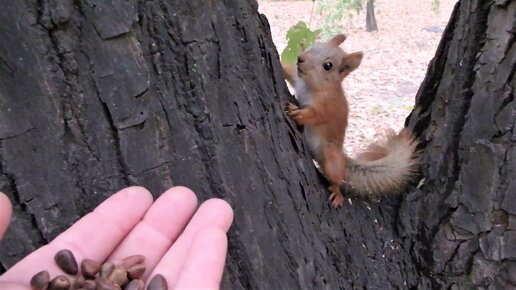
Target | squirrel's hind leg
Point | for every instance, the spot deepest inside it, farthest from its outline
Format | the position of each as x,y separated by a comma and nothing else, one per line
334,167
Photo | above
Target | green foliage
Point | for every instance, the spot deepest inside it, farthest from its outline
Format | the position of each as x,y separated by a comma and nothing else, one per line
334,12
299,37
436,5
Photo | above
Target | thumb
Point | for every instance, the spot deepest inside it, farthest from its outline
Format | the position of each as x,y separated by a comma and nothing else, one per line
5,213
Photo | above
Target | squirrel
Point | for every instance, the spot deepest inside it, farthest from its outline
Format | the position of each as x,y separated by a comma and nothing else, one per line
384,168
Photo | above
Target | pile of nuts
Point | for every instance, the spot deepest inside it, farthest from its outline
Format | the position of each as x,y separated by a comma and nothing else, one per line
95,276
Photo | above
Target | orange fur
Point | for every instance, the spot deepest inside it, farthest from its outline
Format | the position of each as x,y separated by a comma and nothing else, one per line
323,110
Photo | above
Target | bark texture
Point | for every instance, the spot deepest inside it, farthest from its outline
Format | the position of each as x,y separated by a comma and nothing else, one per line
461,224
98,95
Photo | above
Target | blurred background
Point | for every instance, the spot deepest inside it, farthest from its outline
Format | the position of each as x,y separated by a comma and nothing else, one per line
381,92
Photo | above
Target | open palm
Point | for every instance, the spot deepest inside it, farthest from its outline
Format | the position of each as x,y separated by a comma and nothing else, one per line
185,244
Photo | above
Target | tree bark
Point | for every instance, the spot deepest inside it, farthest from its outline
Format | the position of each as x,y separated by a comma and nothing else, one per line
98,95
370,17
461,223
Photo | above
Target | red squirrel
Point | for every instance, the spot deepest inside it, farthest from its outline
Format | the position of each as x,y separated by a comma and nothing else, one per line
384,168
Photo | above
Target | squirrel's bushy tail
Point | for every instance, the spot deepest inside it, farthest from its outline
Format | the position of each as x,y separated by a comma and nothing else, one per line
385,167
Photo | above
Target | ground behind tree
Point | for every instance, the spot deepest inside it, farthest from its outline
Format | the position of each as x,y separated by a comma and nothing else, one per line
381,92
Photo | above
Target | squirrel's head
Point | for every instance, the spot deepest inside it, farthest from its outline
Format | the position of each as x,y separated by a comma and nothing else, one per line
325,63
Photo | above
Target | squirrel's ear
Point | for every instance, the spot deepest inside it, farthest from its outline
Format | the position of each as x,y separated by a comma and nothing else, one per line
338,39
350,62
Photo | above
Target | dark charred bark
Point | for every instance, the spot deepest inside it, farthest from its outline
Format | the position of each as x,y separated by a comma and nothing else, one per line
370,17
98,95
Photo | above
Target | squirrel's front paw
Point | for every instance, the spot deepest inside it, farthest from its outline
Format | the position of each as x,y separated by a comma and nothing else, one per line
295,113
291,107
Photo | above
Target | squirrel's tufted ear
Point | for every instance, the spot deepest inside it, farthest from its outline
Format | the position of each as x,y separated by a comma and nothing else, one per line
350,62
338,39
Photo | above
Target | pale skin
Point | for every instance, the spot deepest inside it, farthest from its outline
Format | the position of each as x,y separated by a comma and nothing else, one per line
184,243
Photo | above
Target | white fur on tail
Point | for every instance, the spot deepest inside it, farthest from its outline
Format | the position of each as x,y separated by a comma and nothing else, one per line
385,167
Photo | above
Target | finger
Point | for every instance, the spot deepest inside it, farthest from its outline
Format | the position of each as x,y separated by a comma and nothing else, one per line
160,227
5,213
13,286
94,236
204,263
212,213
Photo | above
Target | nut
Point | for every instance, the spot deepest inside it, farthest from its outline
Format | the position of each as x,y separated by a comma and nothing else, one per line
106,269
136,271
103,283
89,285
136,284
60,282
66,261
89,268
95,276
40,280
119,275
158,282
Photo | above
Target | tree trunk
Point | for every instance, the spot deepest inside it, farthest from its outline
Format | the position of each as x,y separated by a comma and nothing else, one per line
460,225
98,95
370,17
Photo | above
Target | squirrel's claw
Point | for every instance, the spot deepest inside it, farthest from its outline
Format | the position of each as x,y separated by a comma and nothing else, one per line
336,199
291,107
295,113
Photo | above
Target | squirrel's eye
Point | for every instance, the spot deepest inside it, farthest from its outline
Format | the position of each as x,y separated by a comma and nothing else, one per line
327,65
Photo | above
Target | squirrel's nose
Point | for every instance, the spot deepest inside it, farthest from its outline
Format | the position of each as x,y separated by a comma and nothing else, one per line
300,59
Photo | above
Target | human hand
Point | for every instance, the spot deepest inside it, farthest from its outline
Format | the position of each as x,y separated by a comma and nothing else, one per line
5,213
185,244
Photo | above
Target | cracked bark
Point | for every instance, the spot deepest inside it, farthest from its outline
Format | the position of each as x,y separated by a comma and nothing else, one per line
95,96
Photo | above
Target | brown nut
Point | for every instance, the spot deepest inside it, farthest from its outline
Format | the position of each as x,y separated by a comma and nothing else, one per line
66,262
103,283
106,269
136,271
89,285
40,280
77,282
119,275
89,268
135,284
60,282
157,282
